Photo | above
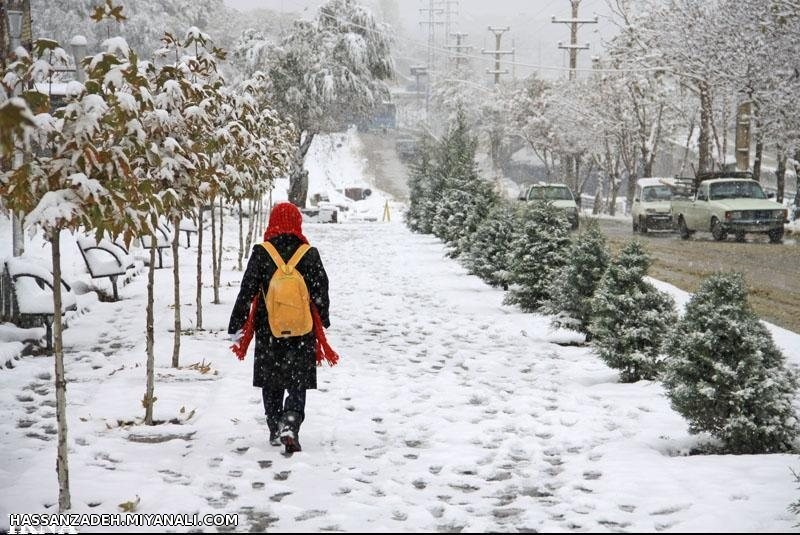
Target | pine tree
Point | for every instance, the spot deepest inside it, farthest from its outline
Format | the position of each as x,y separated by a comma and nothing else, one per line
726,376
630,317
489,248
573,288
537,251
466,198
422,190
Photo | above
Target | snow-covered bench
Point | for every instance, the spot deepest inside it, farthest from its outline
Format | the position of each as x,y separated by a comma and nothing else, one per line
28,296
105,259
188,227
163,241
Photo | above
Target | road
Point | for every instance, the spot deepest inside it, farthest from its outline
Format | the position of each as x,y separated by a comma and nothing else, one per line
772,271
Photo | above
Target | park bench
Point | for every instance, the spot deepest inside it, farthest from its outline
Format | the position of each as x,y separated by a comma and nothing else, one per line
105,259
188,227
26,296
163,241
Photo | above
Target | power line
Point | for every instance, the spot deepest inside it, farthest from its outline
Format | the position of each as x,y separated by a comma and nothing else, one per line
479,57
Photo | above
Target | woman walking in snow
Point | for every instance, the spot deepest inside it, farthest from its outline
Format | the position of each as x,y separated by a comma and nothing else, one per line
288,349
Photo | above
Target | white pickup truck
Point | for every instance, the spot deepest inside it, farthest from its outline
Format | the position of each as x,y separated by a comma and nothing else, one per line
558,194
728,205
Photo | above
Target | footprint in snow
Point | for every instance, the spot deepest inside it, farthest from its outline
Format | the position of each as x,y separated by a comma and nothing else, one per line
670,510
308,515
592,475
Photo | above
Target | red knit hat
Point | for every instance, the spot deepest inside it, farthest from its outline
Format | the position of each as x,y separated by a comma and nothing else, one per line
285,218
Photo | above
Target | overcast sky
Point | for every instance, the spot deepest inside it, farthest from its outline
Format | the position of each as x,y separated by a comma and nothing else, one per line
532,32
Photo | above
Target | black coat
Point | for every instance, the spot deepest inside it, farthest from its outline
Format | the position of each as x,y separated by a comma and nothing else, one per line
281,362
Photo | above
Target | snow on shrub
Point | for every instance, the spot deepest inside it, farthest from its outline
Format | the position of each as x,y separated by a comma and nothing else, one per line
574,286
630,317
487,256
467,198
725,374
423,190
537,252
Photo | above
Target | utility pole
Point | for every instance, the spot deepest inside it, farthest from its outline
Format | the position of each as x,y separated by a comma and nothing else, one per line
743,136
498,53
432,12
459,49
430,69
575,22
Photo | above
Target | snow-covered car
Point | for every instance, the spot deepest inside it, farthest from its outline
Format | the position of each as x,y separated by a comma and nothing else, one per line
651,208
558,194
729,205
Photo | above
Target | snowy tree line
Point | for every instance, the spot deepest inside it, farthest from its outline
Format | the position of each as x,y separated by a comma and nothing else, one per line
721,369
137,142
670,81
325,74
146,20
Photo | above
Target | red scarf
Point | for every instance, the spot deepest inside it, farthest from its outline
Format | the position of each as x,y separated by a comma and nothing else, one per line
285,218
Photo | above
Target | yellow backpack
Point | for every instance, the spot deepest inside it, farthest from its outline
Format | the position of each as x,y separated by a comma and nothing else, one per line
287,299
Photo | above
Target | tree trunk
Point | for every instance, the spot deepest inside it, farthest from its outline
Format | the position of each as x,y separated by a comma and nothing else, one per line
261,218
686,148
612,207
704,158
214,250
149,400
298,189
298,180
649,154
62,466
199,303
241,237
218,273
759,152
780,173
258,226
176,282
797,182
250,225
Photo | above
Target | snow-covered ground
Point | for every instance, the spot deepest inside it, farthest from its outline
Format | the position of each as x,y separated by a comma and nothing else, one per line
449,411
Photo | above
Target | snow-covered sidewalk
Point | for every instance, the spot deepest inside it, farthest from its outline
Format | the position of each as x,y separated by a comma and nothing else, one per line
448,411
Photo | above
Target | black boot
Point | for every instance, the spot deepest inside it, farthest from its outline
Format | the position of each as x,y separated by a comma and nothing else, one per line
290,433
274,438
274,432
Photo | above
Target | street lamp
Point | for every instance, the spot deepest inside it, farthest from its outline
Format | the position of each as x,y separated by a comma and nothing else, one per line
15,36
79,46
14,27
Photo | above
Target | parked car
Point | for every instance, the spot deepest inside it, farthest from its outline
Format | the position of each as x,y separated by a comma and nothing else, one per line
651,209
723,205
558,194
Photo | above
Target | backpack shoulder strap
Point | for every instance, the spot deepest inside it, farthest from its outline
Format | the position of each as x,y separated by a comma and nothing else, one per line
274,254
298,255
